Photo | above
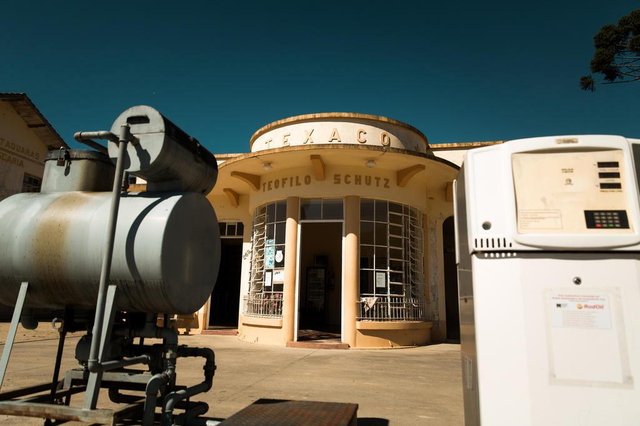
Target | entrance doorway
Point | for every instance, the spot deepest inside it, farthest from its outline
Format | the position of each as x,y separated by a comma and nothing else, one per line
225,299
320,281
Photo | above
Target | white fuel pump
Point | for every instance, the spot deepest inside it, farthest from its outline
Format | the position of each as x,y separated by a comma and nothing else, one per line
548,252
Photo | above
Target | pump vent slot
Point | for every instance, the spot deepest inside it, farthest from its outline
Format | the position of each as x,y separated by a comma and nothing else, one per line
491,243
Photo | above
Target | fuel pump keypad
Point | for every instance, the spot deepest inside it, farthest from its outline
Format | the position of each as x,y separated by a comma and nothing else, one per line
603,219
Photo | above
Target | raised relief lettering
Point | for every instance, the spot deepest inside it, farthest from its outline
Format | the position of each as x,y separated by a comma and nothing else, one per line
335,137
338,179
285,139
361,136
308,136
385,140
11,159
18,149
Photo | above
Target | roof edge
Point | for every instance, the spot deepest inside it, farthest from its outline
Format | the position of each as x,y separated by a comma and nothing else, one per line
319,115
12,97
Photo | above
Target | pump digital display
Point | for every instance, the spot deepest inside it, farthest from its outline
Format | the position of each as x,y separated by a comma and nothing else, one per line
571,191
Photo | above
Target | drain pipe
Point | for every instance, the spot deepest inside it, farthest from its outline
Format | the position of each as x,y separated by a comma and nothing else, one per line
167,377
172,399
151,392
125,136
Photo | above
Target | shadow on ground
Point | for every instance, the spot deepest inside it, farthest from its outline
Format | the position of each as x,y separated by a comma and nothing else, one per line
372,421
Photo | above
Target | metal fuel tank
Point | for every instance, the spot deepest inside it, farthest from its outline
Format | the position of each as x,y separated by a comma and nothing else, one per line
164,257
77,170
165,156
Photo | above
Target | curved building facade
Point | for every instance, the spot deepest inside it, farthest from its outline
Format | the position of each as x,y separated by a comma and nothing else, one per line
334,224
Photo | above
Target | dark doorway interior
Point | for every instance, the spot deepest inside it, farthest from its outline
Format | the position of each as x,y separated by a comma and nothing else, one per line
225,298
320,298
450,280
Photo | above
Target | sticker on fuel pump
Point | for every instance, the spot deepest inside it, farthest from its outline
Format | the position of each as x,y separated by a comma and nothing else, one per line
587,311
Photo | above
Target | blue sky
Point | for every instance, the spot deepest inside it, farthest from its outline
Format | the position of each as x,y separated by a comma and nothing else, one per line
461,71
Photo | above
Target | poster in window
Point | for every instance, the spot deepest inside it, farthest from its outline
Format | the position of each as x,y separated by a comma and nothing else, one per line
267,279
278,276
279,257
381,280
269,254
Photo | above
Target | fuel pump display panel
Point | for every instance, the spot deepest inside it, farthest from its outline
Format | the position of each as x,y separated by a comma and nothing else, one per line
571,192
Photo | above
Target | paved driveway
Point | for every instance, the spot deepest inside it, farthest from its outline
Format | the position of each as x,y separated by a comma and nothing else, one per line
414,386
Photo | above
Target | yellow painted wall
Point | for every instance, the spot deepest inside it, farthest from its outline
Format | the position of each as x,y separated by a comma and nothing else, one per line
339,182
21,151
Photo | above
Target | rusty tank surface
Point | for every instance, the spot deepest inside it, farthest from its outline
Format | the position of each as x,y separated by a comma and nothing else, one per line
166,248
163,253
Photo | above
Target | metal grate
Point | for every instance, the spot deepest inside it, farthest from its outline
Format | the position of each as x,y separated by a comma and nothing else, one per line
391,308
266,305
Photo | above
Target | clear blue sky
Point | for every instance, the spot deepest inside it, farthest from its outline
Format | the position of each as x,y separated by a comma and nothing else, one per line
458,71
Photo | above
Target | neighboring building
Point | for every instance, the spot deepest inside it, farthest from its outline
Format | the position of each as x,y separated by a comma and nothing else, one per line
339,223
25,138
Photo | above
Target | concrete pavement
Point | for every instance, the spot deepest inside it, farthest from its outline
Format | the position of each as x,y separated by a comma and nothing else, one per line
413,386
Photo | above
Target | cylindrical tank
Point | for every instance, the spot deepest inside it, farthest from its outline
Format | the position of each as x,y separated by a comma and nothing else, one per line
165,259
165,156
77,170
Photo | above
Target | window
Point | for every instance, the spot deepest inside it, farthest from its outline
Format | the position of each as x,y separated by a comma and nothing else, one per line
321,209
267,261
231,229
31,183
391,255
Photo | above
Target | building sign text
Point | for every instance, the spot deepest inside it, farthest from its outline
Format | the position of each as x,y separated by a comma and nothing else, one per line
336,179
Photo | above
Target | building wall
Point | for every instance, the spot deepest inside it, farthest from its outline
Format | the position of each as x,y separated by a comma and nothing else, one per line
21,151
341,181
328,157
227,212
434,202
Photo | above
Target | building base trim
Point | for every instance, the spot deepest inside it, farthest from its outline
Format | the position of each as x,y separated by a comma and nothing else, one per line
393,325
261,322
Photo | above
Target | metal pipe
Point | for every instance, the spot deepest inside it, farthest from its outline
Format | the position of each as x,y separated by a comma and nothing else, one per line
61,338
151,392
112,365
100,134
174,398
170,341
150,329
93,364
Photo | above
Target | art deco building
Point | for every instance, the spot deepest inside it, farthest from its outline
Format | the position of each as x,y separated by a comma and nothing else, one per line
337,223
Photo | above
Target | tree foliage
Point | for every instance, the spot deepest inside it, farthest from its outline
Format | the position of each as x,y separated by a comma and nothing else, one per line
617,53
